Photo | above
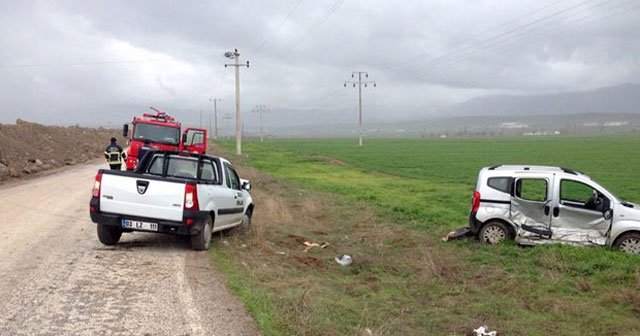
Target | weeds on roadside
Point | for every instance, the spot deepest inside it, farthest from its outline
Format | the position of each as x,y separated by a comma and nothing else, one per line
404,280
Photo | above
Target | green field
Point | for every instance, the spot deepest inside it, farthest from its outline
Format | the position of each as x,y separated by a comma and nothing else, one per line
399,197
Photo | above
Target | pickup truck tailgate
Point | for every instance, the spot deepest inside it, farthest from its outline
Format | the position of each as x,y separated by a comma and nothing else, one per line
126,195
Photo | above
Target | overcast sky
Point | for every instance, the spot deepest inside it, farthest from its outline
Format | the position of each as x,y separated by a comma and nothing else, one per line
102,62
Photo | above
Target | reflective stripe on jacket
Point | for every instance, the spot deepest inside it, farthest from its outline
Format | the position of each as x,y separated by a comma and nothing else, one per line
114,154
112,157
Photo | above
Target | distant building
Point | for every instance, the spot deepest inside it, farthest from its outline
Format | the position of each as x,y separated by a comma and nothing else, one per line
615,123
513,124
541,133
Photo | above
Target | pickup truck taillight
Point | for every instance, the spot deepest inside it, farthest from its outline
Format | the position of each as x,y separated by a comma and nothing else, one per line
96,185
475,202
191,197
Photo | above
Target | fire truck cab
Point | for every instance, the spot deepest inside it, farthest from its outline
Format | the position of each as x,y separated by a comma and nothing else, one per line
162,132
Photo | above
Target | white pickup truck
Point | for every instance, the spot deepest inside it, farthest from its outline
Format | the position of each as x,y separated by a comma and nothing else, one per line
171,192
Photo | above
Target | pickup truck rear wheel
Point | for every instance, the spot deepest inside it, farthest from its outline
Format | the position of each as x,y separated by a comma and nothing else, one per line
628,243
109,234
494,232
202,240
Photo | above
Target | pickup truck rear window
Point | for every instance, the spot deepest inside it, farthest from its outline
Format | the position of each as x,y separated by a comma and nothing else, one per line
156,165
183,167
208,173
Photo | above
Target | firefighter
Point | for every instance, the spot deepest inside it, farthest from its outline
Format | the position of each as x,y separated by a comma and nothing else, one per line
114,155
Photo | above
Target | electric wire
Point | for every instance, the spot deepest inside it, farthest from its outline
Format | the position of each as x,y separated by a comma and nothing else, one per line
277,29
293,45
480,43
470,43
506,45
473,38
75,64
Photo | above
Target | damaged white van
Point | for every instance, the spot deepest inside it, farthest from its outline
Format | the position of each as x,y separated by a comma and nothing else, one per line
538,205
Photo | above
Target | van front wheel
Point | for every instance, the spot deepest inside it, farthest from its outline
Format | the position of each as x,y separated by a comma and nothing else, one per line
494,232
629,243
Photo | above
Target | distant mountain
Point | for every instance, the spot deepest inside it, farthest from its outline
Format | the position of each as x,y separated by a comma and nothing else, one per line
622,99
461,126
613,109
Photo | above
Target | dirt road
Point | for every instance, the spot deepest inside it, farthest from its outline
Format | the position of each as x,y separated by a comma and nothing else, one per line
57,279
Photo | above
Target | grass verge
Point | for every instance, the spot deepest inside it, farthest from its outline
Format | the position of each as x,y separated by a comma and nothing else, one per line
404,280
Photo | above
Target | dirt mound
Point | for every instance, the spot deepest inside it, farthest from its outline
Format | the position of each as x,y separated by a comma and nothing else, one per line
27,148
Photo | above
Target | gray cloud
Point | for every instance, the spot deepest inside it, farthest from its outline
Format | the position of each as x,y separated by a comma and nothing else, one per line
101,62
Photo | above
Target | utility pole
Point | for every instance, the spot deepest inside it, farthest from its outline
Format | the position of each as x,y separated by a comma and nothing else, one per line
360,82
234,55
227,117
215,116
209,133
200,119
260,109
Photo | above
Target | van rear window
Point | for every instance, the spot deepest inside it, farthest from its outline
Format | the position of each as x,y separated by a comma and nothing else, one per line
500,183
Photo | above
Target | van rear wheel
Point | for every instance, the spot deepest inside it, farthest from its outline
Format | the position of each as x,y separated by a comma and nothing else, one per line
494,232
629,243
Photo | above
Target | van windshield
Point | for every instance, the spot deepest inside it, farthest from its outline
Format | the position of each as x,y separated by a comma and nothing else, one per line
157,134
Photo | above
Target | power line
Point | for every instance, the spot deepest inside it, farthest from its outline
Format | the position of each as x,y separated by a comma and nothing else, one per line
505,45
277,29
460,44
314,26
324,96
465,47
91,63
538,29
474,37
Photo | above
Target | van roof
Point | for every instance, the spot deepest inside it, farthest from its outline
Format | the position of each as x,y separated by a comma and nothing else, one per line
532,168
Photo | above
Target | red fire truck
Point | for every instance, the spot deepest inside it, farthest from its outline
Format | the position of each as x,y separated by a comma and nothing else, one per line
163,132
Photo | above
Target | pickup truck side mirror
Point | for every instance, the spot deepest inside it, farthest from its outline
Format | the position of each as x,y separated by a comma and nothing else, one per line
184,138
125,130
607,214
246,185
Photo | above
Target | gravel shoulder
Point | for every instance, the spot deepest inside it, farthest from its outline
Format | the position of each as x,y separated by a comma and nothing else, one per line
58,279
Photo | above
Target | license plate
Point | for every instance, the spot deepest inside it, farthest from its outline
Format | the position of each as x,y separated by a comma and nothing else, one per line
139,225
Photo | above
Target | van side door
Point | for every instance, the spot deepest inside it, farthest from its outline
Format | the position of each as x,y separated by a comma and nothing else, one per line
530,204
577,215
